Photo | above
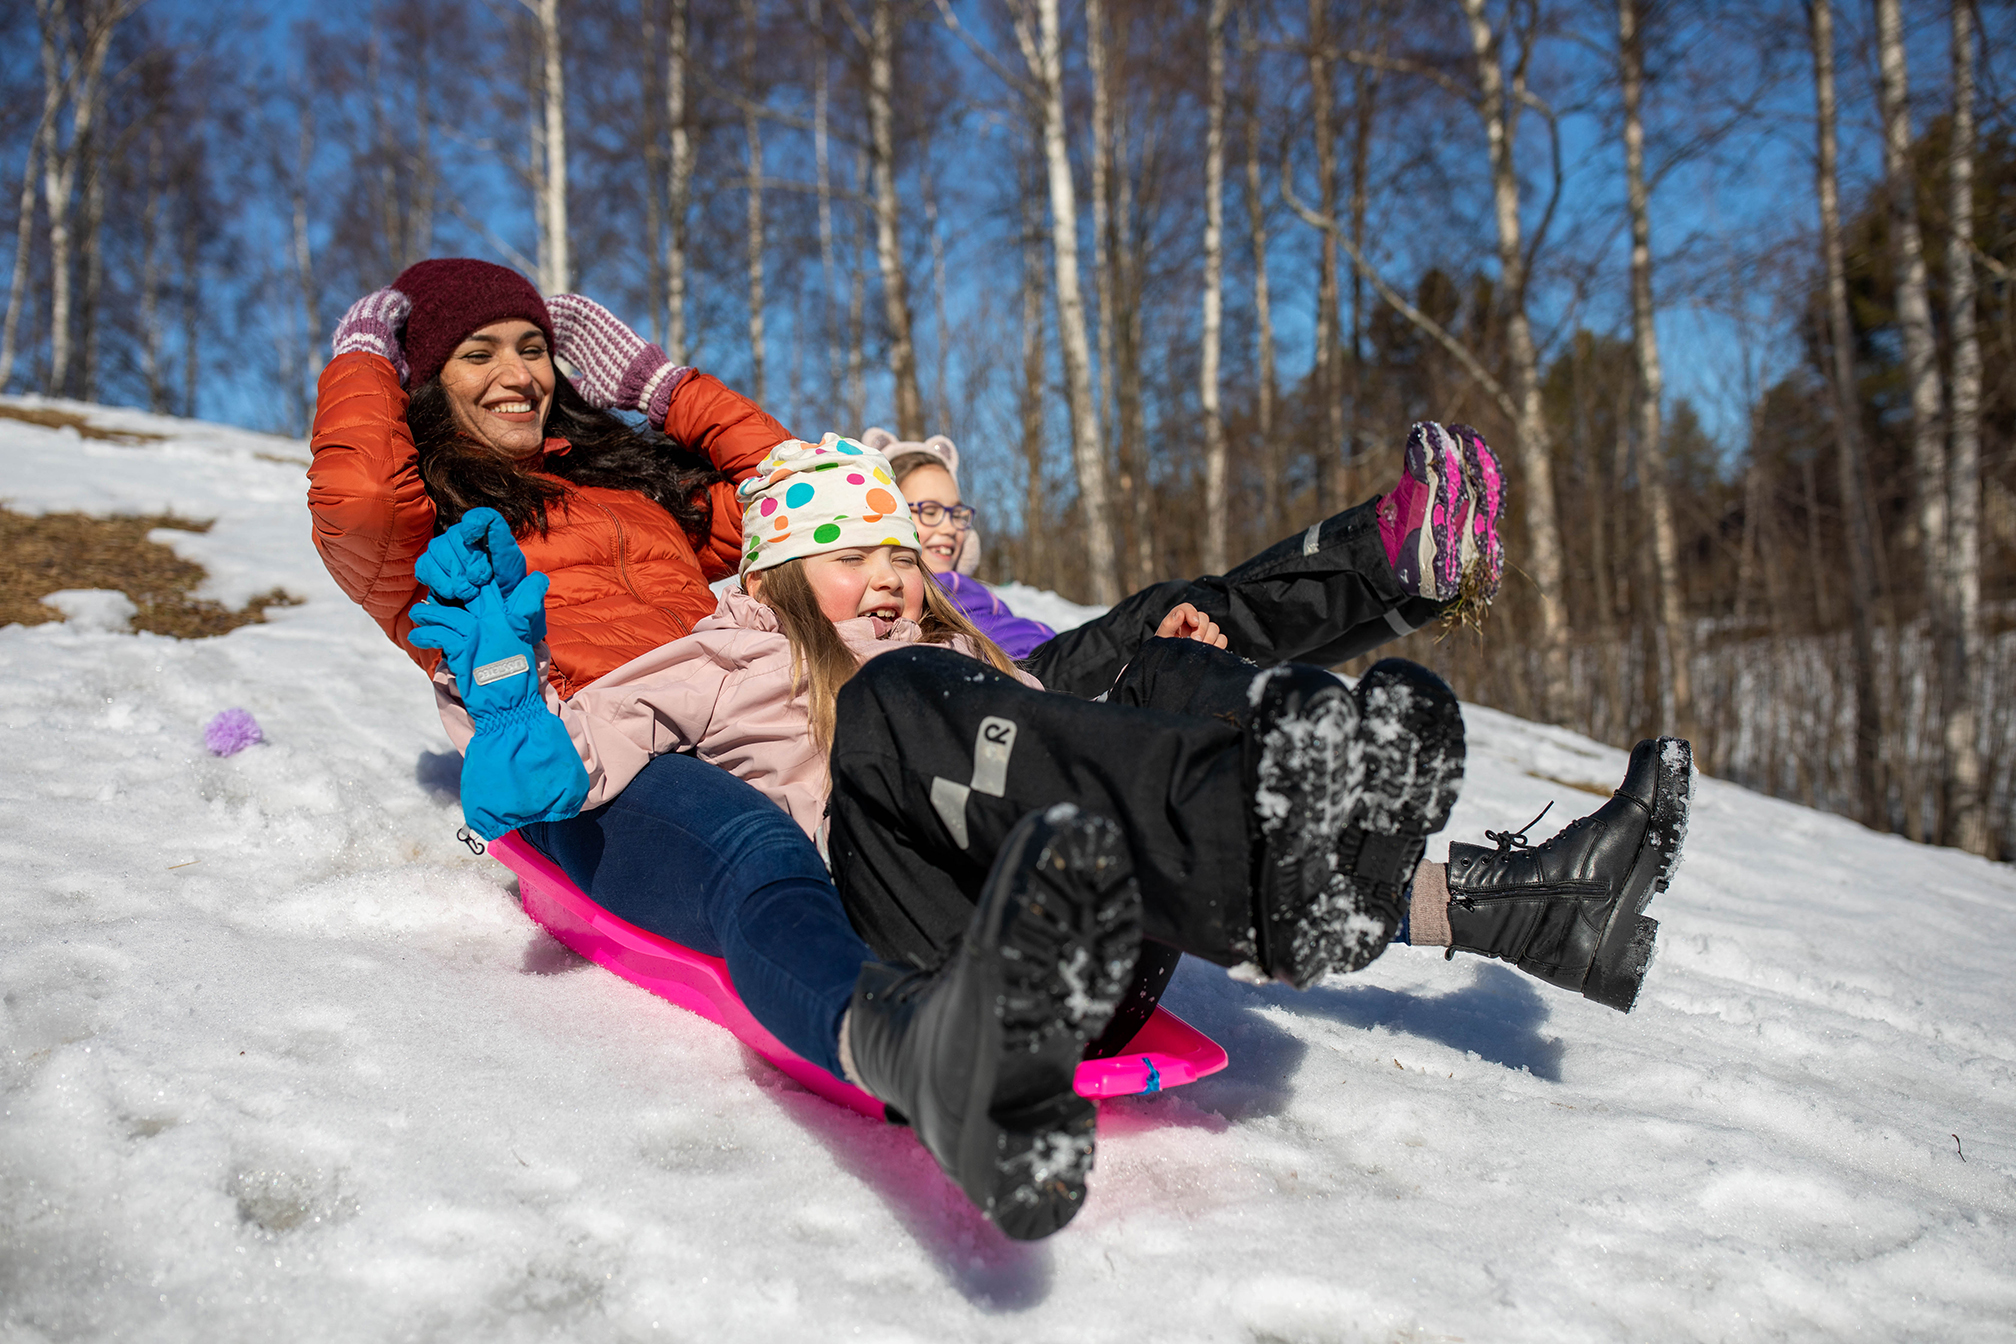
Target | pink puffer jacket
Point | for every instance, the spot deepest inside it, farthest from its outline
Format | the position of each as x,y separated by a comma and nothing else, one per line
724,693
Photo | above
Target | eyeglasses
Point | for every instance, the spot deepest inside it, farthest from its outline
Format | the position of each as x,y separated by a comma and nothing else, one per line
931,513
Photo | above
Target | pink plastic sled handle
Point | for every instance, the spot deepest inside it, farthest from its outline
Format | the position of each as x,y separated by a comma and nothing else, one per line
1166,1052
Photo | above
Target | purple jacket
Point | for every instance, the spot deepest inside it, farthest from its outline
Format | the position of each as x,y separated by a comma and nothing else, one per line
1018,636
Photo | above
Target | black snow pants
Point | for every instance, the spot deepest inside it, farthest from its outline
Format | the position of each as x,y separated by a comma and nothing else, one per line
936,757
1322,596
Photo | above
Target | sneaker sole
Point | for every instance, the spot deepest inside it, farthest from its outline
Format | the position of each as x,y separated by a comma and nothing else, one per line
1434,459
1625,952
1411,730
1067,947
1306,789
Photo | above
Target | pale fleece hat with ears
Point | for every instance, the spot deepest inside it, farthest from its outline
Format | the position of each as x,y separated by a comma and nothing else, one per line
891,447
809,498
942,448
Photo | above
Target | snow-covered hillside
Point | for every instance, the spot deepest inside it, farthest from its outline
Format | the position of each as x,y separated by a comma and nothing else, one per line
284,1061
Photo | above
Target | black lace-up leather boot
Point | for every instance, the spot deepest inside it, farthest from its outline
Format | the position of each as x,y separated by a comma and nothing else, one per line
1570,910
979,1055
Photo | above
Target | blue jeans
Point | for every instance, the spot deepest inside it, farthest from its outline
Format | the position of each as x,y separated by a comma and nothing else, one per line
693,854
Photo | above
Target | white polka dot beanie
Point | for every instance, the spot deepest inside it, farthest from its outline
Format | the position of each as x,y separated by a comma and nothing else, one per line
808,498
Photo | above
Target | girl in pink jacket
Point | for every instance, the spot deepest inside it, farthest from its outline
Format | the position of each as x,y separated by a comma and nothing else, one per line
999,852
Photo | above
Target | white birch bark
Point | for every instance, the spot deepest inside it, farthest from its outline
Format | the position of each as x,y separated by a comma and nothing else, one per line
1967,813
1921,359
823,170
1499,107
1043,50
24,229
1216,557
1675,648
752,131
678,203
888,221
556,264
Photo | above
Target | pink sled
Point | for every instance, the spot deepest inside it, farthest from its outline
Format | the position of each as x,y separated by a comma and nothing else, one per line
1166,1052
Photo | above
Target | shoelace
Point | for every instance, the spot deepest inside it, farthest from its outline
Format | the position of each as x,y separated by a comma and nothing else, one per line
1508,841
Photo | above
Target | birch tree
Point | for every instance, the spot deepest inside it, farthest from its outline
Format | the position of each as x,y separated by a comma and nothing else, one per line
1967,812
1042,49
1274,453
1861,546
1329,460
1216,505
679,189
888,221
1675,647
1914,324
556,264
73,64
754,239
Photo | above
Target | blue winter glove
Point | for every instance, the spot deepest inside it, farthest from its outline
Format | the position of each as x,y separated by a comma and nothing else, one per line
470,554
521,766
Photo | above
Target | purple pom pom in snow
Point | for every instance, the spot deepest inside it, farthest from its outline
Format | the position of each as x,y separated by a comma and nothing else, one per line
231,732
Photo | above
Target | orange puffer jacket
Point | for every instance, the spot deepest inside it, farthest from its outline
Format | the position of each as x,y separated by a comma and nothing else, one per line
625,578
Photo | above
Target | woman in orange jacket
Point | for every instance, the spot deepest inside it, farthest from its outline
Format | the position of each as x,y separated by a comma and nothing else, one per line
444,400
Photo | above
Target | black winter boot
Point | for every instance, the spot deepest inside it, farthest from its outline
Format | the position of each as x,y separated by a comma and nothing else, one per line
979,1055
1411,733
1570,911
1306,772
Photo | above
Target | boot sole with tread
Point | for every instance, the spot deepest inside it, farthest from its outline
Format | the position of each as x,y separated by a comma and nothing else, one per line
1307,785
1067,944
1625,952
1411,728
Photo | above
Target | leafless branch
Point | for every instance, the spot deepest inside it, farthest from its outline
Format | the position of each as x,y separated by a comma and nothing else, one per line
1427,325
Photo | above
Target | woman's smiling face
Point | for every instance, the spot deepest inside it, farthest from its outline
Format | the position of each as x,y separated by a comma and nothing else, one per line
499,383
942,539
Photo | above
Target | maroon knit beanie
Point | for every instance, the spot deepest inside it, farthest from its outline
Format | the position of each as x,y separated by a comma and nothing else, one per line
453,296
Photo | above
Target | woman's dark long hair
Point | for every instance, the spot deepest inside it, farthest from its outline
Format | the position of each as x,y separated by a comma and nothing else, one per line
462,474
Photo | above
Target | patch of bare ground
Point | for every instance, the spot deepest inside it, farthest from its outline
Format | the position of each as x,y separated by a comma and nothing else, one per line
46,554
51,418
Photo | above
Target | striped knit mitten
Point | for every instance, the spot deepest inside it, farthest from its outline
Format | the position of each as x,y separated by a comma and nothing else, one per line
617,367
373,325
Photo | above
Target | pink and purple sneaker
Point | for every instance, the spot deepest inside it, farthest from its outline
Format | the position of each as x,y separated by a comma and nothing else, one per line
1440,522
1421,519
1484,481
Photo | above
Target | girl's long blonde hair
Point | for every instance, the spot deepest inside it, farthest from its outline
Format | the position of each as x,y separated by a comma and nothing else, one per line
821,659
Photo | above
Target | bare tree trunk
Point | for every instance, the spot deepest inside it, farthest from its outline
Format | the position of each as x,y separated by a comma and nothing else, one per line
1500,110
556,265
857,307
192,306
1216,508
1869,789
1273,455
1036,566
1136,494
1329,453
1921,359
304,257
24,229
95,164
60,163
150,280
1967,810
654,159
1100,66
888,236
941,374
1364,105
1675,647
1043,50
678,202
752,132
823,170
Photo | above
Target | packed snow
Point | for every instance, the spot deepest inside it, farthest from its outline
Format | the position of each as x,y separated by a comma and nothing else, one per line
283,1060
